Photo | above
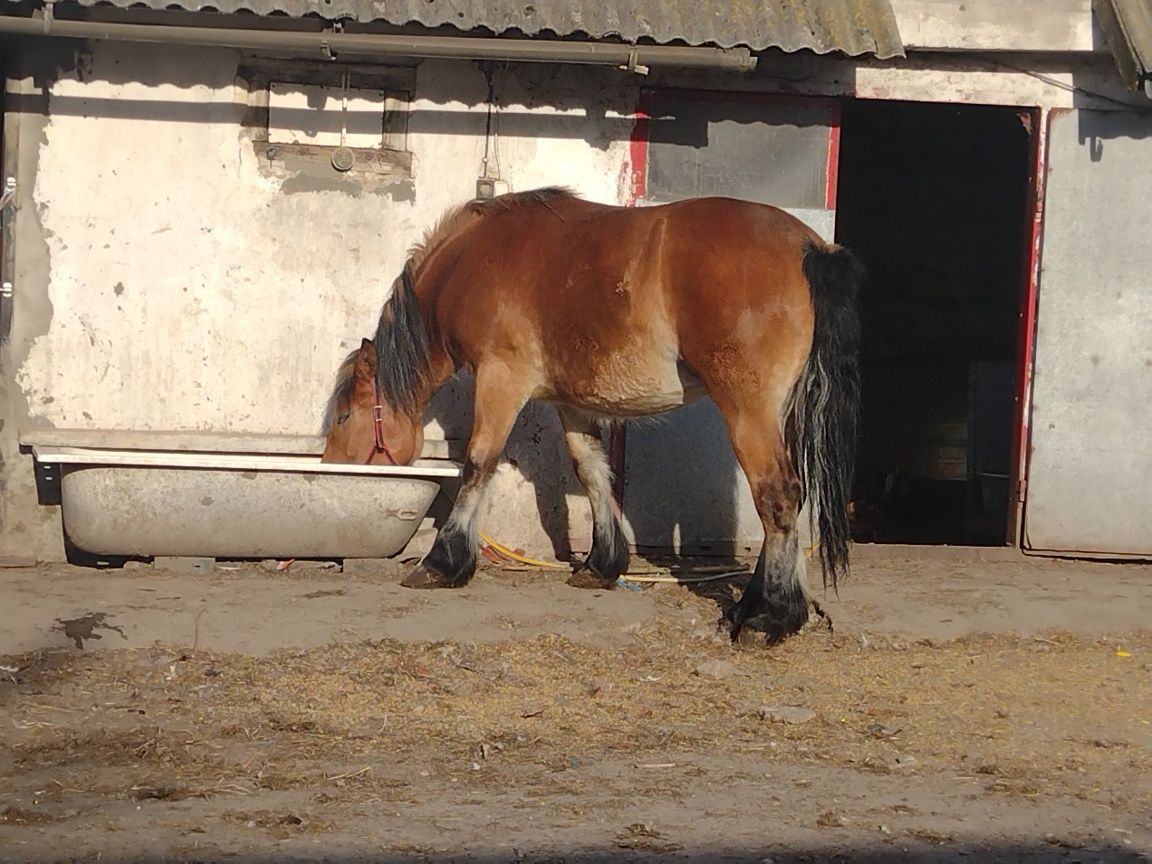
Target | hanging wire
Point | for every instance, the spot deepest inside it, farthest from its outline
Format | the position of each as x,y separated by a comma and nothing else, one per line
492,122
496,121
344,111
489,78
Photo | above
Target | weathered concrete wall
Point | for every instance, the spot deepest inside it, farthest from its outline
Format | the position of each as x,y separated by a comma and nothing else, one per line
995,25
164,280
167,279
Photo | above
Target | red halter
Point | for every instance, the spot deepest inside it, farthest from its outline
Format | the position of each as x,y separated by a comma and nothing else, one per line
378,429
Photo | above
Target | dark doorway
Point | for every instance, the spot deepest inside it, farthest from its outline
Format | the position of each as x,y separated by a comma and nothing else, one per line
935,199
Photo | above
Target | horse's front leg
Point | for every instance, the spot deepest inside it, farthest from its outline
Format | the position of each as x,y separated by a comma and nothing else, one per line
452,559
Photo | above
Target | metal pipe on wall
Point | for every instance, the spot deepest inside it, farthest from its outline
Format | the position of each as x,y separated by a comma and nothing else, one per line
327,45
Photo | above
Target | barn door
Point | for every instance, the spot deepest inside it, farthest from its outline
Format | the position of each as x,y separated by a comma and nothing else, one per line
683,489
1090,470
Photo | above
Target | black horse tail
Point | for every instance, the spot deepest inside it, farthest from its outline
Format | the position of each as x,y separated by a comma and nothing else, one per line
825,404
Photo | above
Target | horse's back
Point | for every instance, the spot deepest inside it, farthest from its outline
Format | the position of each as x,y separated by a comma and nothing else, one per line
718,214
709,254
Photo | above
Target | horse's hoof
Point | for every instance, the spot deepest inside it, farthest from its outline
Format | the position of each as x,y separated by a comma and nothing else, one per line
585,578
421,577
742,626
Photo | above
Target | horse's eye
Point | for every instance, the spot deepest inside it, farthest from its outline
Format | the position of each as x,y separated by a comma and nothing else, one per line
343,418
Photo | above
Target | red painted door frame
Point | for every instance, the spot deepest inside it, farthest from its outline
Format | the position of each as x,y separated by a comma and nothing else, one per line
1037,121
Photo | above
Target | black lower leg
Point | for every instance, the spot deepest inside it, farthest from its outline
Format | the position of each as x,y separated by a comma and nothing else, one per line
453,556
779,612
749,604
609,555
607,560
774,602
452,559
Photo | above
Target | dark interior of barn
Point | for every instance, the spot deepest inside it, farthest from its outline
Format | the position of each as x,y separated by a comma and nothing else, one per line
934,199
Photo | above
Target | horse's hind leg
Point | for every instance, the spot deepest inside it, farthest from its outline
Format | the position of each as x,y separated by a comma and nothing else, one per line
500,394
776,599
609,555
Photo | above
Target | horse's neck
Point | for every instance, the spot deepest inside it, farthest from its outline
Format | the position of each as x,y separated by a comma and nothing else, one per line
440,371
426,286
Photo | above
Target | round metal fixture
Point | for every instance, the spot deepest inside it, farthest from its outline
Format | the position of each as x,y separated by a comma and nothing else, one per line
343,159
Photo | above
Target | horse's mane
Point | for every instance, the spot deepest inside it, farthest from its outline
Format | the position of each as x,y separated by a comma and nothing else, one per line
453,220
401,340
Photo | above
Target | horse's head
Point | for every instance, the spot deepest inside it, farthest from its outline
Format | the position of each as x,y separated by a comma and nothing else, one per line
362,428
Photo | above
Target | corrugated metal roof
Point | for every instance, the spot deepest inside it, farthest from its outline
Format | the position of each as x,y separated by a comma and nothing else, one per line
1127,28
852,26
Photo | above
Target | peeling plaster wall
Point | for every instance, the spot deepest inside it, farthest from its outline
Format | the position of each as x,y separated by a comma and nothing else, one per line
167,279
166,282
25,528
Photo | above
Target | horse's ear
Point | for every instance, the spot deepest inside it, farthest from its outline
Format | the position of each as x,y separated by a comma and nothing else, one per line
366,361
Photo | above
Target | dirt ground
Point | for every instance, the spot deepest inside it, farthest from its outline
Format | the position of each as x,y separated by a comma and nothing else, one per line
964,708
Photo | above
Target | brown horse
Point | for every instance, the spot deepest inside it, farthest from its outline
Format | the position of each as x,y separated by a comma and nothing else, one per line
613,312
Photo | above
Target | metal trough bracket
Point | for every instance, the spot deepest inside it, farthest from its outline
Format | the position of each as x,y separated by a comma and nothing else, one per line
47,482
9,193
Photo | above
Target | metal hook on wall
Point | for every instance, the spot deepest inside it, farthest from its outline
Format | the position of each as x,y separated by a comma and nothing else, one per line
634,64
325,47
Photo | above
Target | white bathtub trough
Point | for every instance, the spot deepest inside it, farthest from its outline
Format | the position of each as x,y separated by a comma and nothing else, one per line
172,494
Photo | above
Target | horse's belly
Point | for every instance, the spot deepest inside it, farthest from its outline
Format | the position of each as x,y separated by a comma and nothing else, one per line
630,389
